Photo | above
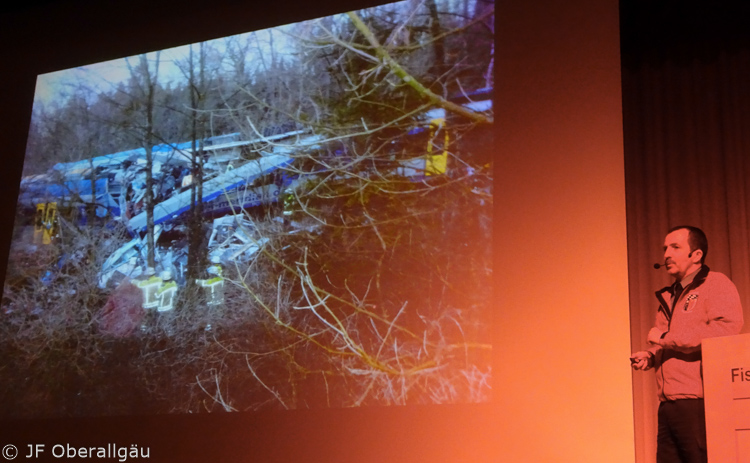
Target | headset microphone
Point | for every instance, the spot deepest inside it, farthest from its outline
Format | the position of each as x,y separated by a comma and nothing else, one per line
658,266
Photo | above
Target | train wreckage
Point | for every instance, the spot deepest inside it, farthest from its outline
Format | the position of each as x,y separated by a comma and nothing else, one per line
232,184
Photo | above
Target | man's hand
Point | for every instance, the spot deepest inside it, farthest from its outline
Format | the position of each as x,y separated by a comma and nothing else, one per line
642,360
654,336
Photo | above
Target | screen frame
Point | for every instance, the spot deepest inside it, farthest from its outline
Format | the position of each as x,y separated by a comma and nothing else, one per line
66,33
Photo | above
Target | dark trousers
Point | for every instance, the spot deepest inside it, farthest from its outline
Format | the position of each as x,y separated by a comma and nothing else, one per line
682,432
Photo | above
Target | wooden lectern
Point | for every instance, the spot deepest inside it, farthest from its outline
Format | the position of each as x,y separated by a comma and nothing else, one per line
726,384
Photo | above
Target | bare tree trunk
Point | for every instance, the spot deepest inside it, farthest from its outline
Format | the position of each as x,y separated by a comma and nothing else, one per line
196,257
89,153
91,207
149,142
439,45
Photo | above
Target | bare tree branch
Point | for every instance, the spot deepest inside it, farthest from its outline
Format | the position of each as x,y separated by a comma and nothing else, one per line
411,81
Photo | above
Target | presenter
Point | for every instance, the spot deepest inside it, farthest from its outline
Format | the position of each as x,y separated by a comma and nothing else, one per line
700,304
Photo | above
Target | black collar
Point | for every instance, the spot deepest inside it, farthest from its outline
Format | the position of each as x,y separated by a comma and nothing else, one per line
700,277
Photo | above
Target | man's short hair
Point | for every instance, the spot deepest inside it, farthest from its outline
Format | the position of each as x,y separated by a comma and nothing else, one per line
696,239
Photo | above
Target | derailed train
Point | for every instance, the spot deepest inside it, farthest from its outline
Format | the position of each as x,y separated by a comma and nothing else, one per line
115,187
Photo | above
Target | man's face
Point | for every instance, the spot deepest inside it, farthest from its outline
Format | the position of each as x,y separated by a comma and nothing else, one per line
677,257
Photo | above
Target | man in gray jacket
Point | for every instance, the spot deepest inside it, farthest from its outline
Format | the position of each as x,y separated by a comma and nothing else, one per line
700,304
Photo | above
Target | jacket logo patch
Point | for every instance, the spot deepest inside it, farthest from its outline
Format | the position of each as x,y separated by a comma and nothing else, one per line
690,302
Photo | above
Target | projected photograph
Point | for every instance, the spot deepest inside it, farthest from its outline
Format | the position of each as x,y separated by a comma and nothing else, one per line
291,218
